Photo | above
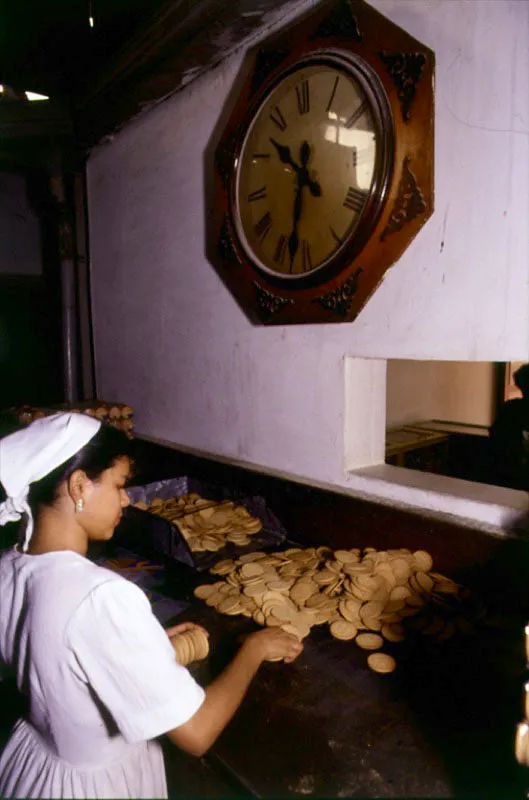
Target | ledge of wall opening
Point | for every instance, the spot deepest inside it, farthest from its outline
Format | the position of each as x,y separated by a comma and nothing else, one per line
494,508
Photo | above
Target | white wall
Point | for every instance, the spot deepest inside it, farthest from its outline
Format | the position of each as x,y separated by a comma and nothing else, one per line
456,391
20,252
171,341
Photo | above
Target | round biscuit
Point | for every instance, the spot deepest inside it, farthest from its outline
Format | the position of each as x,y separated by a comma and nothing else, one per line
369,641
341,629
381,662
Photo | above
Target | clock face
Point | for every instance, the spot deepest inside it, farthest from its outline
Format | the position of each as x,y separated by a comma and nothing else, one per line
307,169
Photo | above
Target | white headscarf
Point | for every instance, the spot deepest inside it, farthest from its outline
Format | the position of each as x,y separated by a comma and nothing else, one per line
30,454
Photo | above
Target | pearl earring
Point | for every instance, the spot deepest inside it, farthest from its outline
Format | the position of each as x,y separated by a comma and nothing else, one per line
79,506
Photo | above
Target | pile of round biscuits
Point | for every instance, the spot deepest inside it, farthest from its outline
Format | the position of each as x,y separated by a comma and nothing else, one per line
206,524
363,595
119,415
189,646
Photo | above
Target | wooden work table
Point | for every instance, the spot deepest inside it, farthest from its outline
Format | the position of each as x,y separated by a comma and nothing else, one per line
442,725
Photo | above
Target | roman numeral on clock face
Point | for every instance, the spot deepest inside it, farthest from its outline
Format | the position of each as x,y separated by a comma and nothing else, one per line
262,228
335,236
303,97
278,119
355,199
355,116
259,194
335,86
281,249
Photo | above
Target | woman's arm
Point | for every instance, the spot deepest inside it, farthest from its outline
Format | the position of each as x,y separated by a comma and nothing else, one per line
225,694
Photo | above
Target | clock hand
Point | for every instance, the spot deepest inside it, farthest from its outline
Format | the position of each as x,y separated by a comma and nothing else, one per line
314,187
283,152
285,157
304,155
303,180
293,239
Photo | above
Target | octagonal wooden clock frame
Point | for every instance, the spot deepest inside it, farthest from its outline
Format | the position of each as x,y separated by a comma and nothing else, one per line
399,72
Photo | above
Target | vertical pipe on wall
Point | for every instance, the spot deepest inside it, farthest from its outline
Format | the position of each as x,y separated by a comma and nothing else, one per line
69,332
66,238
83,291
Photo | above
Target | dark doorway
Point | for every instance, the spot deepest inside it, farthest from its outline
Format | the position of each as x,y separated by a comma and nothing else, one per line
30,309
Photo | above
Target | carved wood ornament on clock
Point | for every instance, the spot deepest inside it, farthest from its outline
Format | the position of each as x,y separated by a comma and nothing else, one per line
323,173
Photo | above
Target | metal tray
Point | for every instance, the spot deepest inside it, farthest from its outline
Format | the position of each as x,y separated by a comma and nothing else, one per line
148,533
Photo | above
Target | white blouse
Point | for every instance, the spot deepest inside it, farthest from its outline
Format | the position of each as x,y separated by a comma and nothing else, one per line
101,677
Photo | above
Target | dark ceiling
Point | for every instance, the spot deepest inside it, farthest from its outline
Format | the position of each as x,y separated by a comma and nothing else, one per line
138,53
48,46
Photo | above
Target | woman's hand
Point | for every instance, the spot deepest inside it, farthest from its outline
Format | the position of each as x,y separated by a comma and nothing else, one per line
184,626
273,644
225,693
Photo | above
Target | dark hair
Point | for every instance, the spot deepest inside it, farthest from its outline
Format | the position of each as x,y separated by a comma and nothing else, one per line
99,454
521,378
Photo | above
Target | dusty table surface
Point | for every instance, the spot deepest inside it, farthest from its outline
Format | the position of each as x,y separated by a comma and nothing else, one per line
442,725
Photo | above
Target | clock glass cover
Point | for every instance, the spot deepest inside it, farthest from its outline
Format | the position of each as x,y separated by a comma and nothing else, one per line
309,168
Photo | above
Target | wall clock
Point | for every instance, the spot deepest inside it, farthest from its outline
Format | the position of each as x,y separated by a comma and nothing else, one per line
323,172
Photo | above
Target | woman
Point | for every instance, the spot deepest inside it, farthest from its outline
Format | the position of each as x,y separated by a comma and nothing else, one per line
98,670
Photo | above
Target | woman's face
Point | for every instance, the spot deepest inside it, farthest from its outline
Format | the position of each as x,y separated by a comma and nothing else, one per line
104,501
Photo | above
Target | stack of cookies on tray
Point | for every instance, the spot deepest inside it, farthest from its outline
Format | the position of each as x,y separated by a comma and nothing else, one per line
206,525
